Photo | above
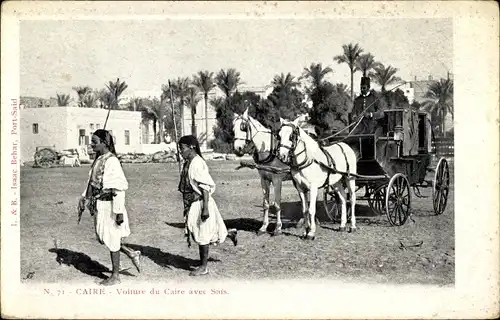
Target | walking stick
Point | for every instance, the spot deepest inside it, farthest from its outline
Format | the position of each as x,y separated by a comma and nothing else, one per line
175,126
116,99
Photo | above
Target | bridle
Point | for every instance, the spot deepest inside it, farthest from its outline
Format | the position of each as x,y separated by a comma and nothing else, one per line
245,127
294,140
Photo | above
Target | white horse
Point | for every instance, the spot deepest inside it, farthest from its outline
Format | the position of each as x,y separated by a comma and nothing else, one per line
248,130
311,167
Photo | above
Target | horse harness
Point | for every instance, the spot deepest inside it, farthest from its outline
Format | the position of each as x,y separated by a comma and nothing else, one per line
330,166
272,153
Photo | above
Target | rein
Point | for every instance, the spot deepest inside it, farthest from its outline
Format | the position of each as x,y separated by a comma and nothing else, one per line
360,117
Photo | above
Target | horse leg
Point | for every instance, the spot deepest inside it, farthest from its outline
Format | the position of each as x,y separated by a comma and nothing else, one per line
351,186
311,234
277,182
302,197
265,205
343,200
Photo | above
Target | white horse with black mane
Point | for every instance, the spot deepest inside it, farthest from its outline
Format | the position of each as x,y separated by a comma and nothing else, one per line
313,167
248,130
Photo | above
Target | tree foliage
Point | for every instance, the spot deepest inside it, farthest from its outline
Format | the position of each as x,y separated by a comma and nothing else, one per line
349,56
385,76
62,100
228,81
331,105
225,108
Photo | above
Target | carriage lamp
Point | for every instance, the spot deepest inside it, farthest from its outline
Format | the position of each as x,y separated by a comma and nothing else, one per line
398,133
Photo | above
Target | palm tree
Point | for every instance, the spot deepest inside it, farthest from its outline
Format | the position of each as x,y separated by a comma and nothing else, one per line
315,73
341,88
147,115
180,90
192,100
351,52
155,110
116,89
105,98
440,100
365,63
89,100
204,80
384,76
228,81
62,100
135,104
284,82
82,92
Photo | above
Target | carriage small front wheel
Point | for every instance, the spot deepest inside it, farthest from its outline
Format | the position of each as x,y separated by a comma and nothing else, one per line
377,200
331,202
398,200
441,186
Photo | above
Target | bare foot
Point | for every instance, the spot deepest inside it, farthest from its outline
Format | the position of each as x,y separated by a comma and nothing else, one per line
201,271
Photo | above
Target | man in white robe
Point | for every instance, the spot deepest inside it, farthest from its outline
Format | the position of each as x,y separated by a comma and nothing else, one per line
105,198
203,220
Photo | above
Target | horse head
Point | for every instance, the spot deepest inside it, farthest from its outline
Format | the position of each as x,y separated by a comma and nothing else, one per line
288,138
241,131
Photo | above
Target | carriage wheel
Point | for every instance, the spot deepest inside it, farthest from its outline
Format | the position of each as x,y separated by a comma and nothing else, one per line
377,200
45,158
398,200
441,186
331,203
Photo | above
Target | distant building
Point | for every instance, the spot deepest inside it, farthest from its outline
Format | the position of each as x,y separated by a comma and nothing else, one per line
419,88
416,90
69,127
35,102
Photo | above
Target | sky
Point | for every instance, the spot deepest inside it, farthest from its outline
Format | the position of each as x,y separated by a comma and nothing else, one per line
56,56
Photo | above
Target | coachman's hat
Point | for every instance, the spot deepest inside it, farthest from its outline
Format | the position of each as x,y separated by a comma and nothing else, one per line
365,81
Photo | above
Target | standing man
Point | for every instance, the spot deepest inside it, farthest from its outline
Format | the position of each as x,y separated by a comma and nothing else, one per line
105,200
367,99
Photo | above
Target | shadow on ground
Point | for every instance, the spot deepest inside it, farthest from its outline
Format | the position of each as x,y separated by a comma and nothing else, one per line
81,262
167,260
291,213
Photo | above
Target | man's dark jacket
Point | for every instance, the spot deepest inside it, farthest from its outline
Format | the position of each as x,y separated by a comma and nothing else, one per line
369,124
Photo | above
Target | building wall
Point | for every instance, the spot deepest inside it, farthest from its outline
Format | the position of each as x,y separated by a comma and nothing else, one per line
51,130
60,127
420,88
91,119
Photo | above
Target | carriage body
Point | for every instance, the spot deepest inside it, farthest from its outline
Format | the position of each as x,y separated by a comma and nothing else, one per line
398,153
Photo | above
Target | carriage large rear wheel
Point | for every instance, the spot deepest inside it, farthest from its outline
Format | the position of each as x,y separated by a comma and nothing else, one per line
398,200
331,202
441,186
45,158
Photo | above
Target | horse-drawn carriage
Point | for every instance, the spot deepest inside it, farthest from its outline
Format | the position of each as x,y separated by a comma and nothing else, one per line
386,163
49,156
392,160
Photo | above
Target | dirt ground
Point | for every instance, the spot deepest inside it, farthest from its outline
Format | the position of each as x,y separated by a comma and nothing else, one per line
54,248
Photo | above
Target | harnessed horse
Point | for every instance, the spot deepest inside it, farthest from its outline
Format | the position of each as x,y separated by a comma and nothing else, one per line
248,130
314,167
